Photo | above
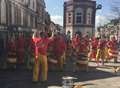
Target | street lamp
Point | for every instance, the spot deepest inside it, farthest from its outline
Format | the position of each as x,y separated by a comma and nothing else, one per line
99,6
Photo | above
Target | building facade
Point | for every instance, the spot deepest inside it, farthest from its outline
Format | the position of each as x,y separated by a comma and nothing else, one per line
22,14
79,16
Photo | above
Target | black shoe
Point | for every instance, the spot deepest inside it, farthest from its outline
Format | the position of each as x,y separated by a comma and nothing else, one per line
35,81
44,81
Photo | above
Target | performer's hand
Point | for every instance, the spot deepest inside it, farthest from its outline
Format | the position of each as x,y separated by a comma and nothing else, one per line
36,56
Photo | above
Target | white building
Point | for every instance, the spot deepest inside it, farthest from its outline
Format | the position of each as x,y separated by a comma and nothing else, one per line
24,14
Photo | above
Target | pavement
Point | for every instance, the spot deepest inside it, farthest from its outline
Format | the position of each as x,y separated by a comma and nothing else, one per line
96,77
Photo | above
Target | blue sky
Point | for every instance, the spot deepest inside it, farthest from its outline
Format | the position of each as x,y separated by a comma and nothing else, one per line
55,9
106,7
103,15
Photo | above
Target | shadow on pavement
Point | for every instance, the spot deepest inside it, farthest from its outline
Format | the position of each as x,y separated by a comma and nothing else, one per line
23,78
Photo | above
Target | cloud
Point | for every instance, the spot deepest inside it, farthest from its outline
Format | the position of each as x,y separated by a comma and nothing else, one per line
66,0
101,20
57,19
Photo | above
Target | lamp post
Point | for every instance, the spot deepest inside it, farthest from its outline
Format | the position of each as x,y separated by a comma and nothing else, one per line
98,7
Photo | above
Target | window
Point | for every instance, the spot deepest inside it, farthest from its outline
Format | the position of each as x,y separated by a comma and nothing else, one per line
79,16
78,13
69,18
89,16
69,14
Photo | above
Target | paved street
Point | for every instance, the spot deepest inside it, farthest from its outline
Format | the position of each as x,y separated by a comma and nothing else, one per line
101,77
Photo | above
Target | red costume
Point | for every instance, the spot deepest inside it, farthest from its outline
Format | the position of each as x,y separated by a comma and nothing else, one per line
36,53
75,42
84,46
43,45
101,51
112,45
21,49
94,44
101,44
59,48
76,45
41,63
11,45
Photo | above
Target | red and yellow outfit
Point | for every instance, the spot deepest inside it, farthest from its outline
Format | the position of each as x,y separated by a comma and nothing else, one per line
76,44
100,50
36,53
112,51
36,68
106,50
84,48
41,65
59,50
93,50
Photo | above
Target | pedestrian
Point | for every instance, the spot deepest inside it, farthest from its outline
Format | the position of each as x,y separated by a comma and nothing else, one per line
27,60
68,36
69,49
1,51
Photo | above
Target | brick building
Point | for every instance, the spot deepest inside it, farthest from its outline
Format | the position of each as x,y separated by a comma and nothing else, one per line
79,15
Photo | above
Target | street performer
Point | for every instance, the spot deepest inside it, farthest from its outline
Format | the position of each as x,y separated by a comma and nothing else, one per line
84,48
35,40
112,51
41,63
76,44
93,48
100,51
59,49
